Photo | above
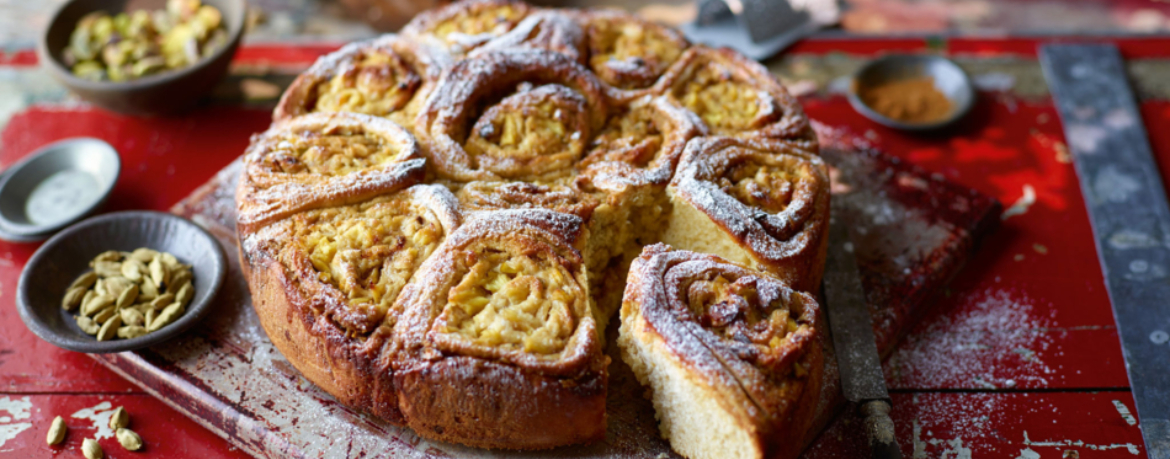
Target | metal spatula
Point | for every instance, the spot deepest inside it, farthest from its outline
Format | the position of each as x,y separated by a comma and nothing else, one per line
759,28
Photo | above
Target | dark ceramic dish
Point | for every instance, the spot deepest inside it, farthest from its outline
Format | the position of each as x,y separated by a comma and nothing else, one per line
167,92
66,256
90,157
949,79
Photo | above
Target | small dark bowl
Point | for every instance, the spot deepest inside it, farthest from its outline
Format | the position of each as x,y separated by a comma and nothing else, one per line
166,92
66,256
949,79
93,157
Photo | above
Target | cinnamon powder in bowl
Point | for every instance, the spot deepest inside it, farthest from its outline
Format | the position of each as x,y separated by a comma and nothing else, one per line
912,92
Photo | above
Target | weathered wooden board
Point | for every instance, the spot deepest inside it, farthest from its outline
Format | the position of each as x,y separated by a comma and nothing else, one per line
914,233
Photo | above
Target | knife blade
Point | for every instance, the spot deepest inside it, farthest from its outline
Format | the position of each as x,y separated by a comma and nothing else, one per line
858,362
1129,215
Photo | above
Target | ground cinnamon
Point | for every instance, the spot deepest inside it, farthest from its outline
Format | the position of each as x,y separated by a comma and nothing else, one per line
913,100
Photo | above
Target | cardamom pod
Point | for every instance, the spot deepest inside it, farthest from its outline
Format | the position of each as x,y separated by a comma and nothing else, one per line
158,272
120,419
86,280
109,255
132,269
163,301
73,298
56,431
117,284
104,315
132,316
179,277
185,293
144,254
165,317
131,331
129,440
127,297
97,303
150,316
108,268
91,450
109,329
147,291
87,325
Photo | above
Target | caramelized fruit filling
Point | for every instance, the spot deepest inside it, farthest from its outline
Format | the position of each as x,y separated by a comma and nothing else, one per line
632,137
724,103
338,151
375,84
767,187
515,303
369,251
628,55
531,132
479,20
739,311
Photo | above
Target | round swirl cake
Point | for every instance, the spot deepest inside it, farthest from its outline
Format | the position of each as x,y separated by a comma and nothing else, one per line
440,225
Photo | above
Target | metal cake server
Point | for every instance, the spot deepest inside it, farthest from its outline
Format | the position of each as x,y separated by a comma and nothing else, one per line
862,380
759,28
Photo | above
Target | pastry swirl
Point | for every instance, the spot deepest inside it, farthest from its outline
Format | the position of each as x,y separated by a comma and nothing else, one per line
387,76
507,291
735,96
757,202
323,159
463,26
640,145
511,115
628,52
546,29
488,196
738,346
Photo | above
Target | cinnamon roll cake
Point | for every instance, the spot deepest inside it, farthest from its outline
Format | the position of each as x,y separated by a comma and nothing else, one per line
439,224
730,354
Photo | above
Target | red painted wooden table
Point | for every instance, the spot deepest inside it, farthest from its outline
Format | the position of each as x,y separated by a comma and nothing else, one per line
1019,358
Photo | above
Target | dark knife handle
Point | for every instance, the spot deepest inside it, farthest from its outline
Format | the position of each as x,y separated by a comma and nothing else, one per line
879,429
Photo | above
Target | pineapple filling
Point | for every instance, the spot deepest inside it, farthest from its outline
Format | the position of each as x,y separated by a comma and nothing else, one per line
339,151
763,186
485,19
531,132
737,311
620,47
515,303
633,137
375,83
369,251
727,106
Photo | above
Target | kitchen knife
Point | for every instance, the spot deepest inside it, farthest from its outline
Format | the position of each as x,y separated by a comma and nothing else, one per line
862,380
1129,213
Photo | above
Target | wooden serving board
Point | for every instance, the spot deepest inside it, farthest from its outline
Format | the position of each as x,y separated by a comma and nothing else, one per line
913,232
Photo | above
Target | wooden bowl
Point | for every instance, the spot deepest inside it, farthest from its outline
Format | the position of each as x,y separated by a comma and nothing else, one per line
167,92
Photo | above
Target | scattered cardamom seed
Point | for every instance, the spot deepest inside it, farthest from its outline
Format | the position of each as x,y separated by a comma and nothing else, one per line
56,431
91,450
129,440
120,419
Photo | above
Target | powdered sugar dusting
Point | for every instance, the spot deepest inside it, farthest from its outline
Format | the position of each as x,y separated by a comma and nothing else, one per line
990,342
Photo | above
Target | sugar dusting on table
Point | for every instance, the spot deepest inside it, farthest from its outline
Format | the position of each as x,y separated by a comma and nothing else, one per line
989,342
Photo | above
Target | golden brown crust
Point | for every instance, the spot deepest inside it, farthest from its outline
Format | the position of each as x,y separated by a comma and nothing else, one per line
551,30
320,160
628,52
489,196
504,303
746,335
511,114
735,96
326,355
387,76
772,199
